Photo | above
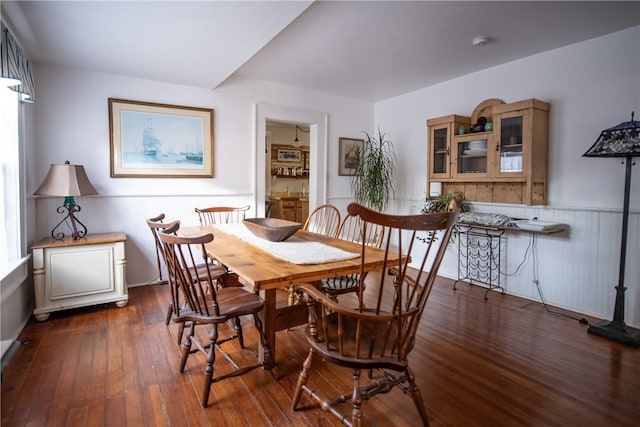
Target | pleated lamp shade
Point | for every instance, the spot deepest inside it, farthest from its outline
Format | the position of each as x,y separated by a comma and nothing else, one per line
66,180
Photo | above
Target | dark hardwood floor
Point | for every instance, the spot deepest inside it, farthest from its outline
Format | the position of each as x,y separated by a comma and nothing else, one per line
501,362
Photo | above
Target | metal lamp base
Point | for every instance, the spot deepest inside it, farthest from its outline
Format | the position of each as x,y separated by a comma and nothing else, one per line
616,331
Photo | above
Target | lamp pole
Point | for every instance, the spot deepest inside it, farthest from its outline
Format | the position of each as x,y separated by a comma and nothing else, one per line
616,329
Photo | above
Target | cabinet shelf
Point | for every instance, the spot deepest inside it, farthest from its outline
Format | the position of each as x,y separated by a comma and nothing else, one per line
479,135
474,155
292,176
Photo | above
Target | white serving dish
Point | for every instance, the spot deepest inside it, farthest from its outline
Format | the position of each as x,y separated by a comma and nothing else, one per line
479,143
535,225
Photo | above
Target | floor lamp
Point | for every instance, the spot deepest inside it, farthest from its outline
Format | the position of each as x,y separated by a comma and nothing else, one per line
622,141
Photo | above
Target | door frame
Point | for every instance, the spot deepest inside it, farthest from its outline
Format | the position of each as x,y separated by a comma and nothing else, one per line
318,123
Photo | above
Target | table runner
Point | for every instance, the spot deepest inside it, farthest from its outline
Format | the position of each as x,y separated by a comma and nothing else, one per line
295,249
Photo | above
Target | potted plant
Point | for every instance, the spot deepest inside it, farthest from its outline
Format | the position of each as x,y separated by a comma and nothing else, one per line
442,203
372,182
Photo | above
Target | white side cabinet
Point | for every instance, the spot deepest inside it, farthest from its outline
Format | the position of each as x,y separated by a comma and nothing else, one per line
78,273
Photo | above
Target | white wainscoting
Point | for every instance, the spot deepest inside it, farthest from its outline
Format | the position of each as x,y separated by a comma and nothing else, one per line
577,269
104,213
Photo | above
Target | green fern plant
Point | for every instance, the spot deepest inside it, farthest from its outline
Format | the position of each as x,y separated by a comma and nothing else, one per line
372,182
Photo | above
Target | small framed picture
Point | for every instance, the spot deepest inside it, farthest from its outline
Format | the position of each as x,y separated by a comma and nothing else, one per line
350,150
287,155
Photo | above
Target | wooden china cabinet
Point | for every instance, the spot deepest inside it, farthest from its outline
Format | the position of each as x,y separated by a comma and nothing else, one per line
505,162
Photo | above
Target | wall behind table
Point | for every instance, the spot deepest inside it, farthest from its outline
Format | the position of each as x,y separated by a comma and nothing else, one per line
71,123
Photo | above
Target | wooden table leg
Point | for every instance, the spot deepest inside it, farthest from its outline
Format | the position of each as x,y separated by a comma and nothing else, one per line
268,317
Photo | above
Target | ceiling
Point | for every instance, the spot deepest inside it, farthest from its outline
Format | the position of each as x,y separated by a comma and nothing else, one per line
359,49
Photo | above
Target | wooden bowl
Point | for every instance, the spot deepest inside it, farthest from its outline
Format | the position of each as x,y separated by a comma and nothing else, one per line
273,229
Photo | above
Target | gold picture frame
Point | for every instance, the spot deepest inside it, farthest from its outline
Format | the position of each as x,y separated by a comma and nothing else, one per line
150,140
349,151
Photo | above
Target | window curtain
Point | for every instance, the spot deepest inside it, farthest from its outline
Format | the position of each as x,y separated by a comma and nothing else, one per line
16,65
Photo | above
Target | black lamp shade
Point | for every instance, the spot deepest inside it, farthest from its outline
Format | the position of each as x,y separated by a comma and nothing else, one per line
622,140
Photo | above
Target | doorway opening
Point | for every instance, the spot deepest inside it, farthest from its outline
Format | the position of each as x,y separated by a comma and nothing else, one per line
316,124
288,159
288,170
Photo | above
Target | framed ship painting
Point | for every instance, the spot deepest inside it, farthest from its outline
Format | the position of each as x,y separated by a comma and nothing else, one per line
159,140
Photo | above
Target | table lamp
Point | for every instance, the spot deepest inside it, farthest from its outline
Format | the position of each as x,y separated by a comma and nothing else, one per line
622,141
67,181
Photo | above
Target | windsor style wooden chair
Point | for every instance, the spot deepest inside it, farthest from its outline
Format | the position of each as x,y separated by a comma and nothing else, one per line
225,215
198,302
325,220
377,335
154,224
157,226
351,230
221,214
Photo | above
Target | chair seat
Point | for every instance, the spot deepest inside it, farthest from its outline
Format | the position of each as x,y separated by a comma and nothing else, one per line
351,230
232,302
373,336
238,302
216,270
341,284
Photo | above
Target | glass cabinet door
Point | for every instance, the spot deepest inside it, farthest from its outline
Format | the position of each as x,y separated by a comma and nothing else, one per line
439,156
510,144
471,155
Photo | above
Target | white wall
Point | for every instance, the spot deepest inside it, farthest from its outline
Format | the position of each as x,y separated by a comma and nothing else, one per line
591,86
71,123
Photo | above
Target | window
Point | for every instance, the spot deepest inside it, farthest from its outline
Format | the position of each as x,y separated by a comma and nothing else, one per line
10,250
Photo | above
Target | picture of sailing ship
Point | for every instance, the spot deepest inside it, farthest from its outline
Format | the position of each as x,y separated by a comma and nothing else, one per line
161,140
150,142
162,147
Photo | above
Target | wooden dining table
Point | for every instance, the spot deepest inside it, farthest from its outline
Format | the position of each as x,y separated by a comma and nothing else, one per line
265,273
